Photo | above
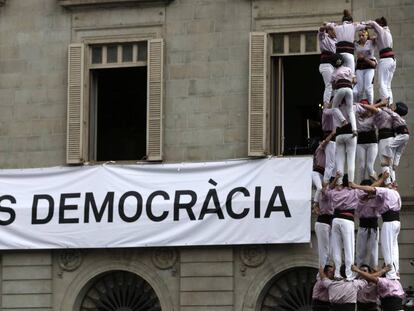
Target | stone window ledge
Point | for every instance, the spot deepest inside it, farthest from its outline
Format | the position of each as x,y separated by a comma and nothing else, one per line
80,3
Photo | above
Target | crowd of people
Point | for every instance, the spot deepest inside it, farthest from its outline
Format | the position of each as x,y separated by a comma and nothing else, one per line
357,129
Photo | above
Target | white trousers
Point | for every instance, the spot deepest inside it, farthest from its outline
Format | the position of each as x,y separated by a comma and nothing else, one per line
386,69
343,236
326,71
329,161
365,80
365,157
323,236
349,61
386,155
345,148
345,93
389,246
397,146
317,183
367,247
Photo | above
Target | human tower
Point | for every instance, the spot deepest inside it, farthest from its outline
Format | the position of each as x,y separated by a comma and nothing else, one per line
357,130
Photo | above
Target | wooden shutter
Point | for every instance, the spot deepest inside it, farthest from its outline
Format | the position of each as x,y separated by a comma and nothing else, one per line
257,94
75,104
155,99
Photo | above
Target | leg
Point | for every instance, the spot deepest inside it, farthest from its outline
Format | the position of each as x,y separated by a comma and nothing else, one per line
336,246
340,156
372,246
387,247
351,143
359,87
323,232
386,155
348,237
326,71
396,253
391,70
349,61
360,160
369,84
329,161
372,152
349,101
398,146
361,246
382,86
317,182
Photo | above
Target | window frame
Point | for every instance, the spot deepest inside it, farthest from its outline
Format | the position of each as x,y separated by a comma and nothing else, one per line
86,152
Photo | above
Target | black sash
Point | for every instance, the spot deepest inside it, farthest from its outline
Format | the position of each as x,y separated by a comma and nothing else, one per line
345,47
346,129
367,137
385,133
342,83
387,53
402,129
326,134
391,304
363,64
327,57
343,307
319,305
345,214
390,216
371,222
325,219
370,306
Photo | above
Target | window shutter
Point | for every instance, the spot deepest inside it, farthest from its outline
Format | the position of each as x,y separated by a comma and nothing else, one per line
257,94
75,104
155,99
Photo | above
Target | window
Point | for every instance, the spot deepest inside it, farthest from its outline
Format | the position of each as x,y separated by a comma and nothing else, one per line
115,95
285,118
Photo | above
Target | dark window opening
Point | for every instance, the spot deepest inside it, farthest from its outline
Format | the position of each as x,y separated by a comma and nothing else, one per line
302,89
121,113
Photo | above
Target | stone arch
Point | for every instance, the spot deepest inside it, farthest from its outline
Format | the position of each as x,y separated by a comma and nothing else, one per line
79,285
263,278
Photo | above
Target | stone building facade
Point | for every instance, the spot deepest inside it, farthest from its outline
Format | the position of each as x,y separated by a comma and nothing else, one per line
204,74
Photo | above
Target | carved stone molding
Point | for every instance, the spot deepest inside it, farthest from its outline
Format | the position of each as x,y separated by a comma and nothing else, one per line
100,3
253,256
164,258
70,260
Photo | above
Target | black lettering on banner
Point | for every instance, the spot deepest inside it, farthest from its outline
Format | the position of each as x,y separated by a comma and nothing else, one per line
51,207
108,201
70,207
187,206
8,210
151,197
278,191
121,206
211,194
257,202
229,203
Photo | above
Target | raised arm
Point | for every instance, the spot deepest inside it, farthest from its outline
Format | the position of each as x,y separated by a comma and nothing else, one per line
335,180
368,189
380,180
365,275
326,141
372,108
377,28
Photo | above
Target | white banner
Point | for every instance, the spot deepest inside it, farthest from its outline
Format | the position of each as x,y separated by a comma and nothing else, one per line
214,203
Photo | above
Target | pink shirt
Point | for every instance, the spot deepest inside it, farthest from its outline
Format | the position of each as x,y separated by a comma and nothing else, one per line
342,73
368,208
343,291
326,43
389,288
325,205
346,31
367,49
364,124
319,157
384,37
396,119
320,292
368,294
391,200
382,119
344,199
